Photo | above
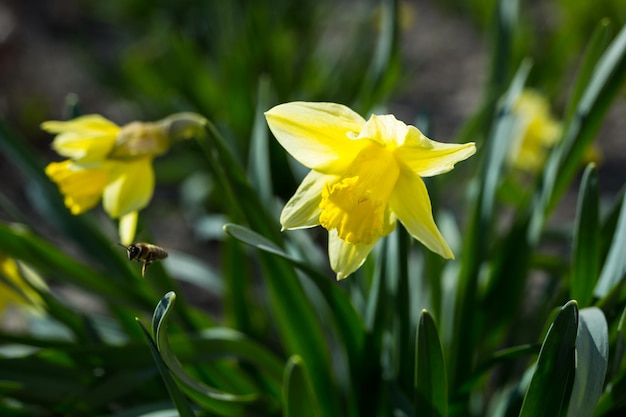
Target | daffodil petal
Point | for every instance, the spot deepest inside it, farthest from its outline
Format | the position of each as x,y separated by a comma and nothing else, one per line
321,136
85,139
427,157
131,187
128,227
345,258
83,125
302,210
385,129
411,204
82,186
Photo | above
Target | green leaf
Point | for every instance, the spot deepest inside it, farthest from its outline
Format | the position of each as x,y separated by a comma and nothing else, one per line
592,356
586,252
620,346
37,378
615,264
158,409
476,242
292,310
547,394
349,323
179,400
241,307
595,48
384,65
259,170
566,159
397,280
298,395
506,22
159,326
431,396
20,243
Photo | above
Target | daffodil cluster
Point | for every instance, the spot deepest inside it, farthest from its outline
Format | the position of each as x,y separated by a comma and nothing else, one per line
365,175
112,163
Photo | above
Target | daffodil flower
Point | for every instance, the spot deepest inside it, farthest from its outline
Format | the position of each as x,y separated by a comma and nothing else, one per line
364,176
112,163
14,290
536,131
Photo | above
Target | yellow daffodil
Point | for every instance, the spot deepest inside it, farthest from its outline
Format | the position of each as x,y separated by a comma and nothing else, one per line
112,163
14,290
536,131
364,175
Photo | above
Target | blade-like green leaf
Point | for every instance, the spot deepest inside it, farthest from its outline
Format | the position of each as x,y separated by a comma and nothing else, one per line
566,159
179,400
19,243
620,346
159,409
476,239
292,310
159,326
615,264
549,386
506,23
586,252
37,379
298,395
384,66
397,273
592,356
597,45
350,325
259,170
431,395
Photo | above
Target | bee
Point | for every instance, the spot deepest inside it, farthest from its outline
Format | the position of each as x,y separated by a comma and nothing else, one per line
145,253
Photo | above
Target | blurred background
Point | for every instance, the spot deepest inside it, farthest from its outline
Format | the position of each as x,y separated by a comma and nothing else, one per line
440,65
144,59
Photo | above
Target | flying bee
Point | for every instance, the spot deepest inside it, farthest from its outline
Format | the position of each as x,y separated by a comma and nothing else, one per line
145,253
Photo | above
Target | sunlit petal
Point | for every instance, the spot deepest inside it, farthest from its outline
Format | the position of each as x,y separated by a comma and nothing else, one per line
131,187
302,210
385,129
85,139
127,228
320,136
83,125
80,185
345,258
426,157
411,204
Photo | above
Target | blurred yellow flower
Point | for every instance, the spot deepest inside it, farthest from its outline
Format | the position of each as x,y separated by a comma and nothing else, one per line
112,163
364,175
536,131
14,290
